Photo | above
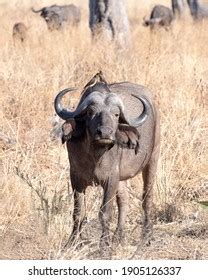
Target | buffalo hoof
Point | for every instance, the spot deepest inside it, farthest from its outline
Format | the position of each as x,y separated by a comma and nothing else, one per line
105,248
147,235
77,243
119,237
75,239
106,253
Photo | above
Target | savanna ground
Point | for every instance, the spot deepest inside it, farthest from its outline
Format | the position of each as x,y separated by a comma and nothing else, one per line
35,198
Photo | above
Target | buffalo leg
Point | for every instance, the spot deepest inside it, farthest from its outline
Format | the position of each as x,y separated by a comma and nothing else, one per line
122,198
105,213
79,213
148,174
79,208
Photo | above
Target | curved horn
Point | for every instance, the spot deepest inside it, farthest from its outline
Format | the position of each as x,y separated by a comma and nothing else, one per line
62,112
65,113
143,117
38,11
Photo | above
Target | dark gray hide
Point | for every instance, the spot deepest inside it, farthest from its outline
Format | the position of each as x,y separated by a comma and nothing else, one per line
160,15
55,16
111,136
178,7
197,10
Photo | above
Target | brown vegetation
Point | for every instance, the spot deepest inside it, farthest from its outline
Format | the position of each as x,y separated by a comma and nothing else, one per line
35,199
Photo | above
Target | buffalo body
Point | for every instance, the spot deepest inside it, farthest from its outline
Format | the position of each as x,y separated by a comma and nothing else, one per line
56,16
111,136
160,16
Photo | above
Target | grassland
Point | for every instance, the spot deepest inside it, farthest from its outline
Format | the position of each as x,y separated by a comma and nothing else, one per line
35,198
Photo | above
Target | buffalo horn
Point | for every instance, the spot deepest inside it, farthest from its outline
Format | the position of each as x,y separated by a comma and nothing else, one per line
136,122
38,11
60,111
65,113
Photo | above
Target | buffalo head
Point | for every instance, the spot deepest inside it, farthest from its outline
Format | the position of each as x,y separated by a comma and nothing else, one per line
101,113
51,16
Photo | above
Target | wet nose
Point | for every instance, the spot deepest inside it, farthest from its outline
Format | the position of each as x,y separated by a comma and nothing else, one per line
104,132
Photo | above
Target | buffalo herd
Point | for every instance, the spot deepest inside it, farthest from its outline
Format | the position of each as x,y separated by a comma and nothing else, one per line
58,16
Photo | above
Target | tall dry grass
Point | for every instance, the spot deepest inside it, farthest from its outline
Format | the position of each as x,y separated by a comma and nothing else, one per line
35,198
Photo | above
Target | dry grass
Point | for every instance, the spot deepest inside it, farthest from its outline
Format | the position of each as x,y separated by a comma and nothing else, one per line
35,199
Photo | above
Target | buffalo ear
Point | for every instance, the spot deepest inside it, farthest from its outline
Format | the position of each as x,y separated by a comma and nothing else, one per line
127,137
67,128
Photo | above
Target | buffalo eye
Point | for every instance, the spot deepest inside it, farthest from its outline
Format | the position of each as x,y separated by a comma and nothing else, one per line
115,112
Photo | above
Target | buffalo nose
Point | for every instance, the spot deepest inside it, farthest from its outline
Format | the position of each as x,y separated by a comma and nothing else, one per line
104,132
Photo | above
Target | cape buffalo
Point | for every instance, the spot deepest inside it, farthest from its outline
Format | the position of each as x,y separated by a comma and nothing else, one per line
19,31
198,10
55,15
160,15
111,136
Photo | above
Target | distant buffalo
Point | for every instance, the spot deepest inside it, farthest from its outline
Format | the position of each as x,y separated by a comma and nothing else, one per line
56,16
160,15
197,10
19,31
